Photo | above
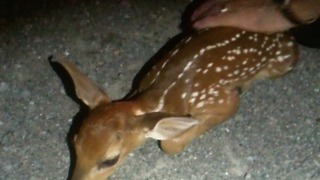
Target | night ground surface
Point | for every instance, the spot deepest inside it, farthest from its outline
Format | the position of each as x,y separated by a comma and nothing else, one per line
275,134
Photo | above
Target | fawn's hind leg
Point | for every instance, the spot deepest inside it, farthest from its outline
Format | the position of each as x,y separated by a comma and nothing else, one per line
281,64
210,115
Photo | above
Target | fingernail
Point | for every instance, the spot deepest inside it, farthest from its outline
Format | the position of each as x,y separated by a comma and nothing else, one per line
224,9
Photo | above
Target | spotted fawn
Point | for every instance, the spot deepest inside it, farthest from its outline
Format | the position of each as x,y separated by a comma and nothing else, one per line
187,92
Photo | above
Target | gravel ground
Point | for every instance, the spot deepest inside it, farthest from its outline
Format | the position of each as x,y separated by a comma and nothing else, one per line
275,135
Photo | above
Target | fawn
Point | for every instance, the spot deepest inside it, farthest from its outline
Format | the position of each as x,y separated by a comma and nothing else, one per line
191,89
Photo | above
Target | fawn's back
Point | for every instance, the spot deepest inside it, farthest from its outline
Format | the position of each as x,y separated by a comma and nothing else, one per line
202,64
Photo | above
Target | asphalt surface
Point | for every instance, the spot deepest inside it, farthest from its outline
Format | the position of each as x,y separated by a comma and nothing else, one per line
275,135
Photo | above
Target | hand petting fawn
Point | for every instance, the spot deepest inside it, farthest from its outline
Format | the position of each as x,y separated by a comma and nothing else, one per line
190,90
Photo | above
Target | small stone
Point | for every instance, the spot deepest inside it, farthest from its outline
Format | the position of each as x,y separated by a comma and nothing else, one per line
18,66
66,53
247,176
8,167
3,87
43,133
62,91
31,107
105,85
26,93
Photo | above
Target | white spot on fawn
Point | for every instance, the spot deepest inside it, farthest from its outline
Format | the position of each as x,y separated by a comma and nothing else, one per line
252,50
174,52
202,51
205,71
192,100
242,74
264,59
224,10
202,97
194,94
164,64
200,104
290,44
231,58
218,69
189,38
212,91
210,47
222,82
280,58
162,98
187,66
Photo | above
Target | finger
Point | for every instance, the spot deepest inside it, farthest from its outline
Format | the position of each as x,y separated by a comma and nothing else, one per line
203,9
226,19
250,21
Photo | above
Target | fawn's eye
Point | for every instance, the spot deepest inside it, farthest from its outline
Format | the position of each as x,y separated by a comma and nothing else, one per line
108,162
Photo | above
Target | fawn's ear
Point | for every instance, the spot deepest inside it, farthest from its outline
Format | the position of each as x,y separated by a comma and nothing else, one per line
169,127
85,88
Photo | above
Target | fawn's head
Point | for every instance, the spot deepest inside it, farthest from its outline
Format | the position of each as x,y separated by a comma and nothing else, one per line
113,129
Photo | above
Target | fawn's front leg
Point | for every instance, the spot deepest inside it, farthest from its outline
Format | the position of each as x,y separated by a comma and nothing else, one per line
211,114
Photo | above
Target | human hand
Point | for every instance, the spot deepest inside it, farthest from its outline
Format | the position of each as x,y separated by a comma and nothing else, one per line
254,15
